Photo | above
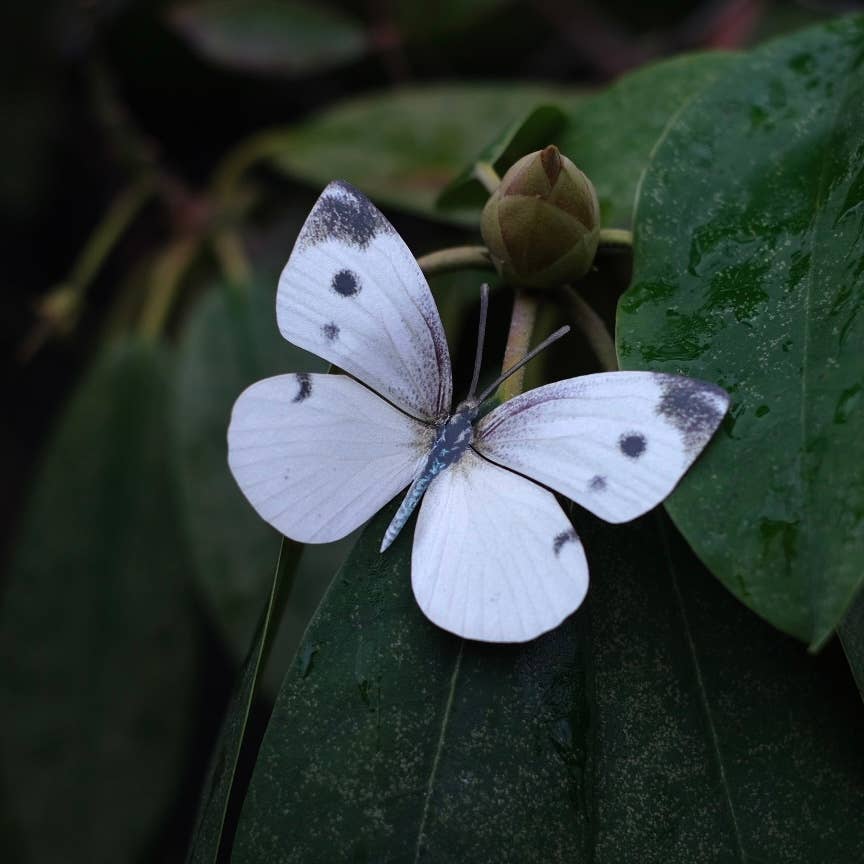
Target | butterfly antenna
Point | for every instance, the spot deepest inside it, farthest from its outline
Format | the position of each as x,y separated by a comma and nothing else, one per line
481,337
562,331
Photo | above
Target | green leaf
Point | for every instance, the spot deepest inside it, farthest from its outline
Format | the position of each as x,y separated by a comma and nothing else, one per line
286,37
231,341
609,136
219,791
748,272
404,146
662,722
98,636
529,133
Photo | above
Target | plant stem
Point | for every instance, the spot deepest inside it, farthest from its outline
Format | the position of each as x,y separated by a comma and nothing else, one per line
487,175
61,308
593,328
455,258
616,237
522,322
167,274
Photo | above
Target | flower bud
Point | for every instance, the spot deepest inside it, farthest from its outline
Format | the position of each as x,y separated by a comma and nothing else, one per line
542,224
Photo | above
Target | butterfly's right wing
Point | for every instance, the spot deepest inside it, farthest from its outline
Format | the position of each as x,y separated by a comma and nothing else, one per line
614,442
353,294
495,558
318,455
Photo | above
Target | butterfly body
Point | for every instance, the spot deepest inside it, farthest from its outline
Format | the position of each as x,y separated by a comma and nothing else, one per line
494,556
452,439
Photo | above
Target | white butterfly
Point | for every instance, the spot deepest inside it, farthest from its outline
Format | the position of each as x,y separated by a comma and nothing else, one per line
494,557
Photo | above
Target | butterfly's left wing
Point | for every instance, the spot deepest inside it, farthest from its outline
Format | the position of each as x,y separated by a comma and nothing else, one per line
317,455
614,442
353,294
494,557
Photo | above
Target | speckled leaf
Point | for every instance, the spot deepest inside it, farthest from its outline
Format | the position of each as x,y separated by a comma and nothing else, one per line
609,136
661,723
748,272
219,789
98,632
404,146
286,37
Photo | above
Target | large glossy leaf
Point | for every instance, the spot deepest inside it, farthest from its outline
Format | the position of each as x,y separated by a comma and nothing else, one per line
219,792
661,723
97,631
287,37
609,136
749,263
404,146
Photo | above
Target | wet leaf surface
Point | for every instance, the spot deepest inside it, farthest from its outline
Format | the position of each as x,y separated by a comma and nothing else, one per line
748,272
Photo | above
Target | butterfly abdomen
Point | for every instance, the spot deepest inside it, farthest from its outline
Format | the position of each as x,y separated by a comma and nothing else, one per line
453,439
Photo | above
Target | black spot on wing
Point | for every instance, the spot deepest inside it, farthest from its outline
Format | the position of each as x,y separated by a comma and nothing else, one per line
562,538
346,283
632,444
695,408
598,483
304,386
346,215
331,331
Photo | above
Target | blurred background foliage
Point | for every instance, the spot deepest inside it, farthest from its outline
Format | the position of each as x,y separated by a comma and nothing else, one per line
158,160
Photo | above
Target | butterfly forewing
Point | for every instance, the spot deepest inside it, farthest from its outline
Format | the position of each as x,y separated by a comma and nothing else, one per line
495,558
616,443
353,294
318,455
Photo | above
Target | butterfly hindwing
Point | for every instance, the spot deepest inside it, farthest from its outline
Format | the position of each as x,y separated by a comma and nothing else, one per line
495,558
614,442
353,294
318,455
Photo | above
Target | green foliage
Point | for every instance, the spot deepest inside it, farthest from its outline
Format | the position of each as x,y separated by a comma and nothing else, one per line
98,634
287,37
662,722
609,136
749,260
404,146
219,787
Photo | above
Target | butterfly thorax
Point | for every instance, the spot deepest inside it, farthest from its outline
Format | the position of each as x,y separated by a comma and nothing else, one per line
453,438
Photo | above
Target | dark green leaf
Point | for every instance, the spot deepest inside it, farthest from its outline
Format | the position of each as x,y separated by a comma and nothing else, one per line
218,791
230,342
609,136
97,631
404,146
288,37
415,22
749,262
661,723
